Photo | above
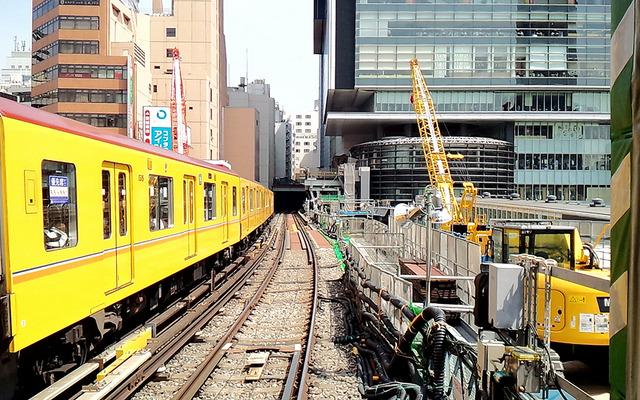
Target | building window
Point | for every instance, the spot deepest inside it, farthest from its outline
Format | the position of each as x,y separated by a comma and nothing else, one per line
307,116
160,202
171,32
169,53
59,205
48,5
100,120
65,47
155,88
298,116
307,123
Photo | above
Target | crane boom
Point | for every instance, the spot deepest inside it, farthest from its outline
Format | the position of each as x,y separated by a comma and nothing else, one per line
178,108
432,143
464,220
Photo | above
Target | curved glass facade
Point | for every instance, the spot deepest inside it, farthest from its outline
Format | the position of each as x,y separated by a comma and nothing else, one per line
399,172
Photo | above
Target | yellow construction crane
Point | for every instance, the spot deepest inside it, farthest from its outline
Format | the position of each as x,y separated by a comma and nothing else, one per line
465,220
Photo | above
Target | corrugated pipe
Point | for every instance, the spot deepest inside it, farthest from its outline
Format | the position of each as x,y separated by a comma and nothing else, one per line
404,345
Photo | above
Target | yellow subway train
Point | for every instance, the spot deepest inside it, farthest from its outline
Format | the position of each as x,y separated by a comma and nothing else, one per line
96,227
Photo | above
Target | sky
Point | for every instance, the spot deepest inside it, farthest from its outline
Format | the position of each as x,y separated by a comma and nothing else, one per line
275,36
16,21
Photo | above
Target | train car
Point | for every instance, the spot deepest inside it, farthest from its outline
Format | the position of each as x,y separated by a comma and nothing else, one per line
95,228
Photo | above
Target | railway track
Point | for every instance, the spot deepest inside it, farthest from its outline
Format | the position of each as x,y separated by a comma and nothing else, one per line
261,354
257,344
168,332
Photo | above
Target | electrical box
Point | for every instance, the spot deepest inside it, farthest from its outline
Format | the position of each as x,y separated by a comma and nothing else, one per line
489,353
525,366
506,289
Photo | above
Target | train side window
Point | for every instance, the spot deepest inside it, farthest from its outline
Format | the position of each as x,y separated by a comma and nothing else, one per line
160,202
251,199
106,204
244,201
184,200
235,201
122,203
59,205
209,201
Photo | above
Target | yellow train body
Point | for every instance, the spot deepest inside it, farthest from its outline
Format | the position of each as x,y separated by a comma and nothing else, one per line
139,215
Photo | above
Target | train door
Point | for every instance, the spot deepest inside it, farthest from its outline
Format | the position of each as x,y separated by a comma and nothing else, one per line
188,198
224,210
116,209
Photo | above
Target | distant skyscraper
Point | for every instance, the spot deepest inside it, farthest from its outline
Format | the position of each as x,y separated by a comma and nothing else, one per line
534,73
15,76
257,95
305,152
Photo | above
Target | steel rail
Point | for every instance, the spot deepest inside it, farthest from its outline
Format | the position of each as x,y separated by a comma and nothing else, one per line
190,389
175,336
303,386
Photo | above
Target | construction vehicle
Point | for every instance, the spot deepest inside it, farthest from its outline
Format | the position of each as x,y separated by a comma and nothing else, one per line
464,218
579,313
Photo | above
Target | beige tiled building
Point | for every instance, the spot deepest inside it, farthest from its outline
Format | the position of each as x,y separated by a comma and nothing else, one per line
195,29
86,51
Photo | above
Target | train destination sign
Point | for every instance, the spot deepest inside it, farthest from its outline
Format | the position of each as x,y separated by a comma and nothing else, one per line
58,189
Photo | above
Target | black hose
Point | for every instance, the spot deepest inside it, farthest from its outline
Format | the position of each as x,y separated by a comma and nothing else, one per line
380,369
403,351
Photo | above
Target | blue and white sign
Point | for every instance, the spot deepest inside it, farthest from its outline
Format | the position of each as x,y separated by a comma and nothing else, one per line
161,137
157,126
58,190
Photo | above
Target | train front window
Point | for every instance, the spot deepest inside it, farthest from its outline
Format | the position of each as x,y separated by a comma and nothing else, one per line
160,202
59,205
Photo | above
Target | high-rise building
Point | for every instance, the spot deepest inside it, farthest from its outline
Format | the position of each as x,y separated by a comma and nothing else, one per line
90,61
195,28
283,145
304,148
533,73
258,95
15,76
101,61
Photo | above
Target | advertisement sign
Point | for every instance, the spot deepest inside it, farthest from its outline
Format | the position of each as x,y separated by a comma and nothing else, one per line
130,96
157,126
58,190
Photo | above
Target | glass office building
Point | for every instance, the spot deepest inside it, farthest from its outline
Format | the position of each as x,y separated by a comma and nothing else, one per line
399,173
533,73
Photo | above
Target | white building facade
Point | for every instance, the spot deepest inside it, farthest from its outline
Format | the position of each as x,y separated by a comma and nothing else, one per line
304,146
